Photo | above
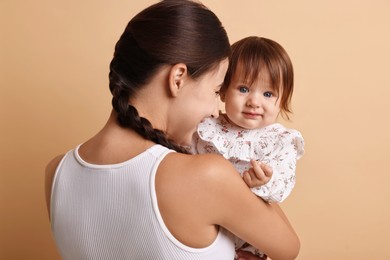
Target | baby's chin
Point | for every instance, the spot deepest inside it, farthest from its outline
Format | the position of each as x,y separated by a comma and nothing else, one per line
252,125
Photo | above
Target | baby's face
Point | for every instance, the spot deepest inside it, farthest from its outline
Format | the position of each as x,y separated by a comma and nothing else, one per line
253,106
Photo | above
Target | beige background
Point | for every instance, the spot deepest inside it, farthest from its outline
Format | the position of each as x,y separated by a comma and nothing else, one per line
54,58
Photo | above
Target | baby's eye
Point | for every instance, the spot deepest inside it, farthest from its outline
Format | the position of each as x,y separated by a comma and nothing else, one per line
217,93
243,89
268,94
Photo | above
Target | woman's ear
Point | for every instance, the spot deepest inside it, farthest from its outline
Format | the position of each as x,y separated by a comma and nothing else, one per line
177,78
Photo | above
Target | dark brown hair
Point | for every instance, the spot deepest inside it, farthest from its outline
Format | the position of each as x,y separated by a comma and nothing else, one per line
255,53
166,33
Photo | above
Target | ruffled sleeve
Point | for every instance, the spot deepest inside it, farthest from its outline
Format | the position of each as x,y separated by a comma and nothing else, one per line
285,147
208,137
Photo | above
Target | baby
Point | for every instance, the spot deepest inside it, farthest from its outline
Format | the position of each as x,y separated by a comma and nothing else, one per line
258,87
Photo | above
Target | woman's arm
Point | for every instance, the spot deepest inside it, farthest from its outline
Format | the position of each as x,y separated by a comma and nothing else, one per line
198,193
237,209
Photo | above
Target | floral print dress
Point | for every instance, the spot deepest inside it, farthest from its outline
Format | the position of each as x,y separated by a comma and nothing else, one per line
274,145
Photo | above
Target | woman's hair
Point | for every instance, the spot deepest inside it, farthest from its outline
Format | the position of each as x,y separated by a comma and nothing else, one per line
256,53
166,33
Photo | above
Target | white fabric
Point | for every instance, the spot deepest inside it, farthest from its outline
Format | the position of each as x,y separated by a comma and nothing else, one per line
111,212
274,145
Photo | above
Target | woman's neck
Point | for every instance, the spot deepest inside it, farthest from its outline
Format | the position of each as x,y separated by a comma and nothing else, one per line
113,144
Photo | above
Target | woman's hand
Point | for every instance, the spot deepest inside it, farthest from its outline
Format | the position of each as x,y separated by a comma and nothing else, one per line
243,255
258,175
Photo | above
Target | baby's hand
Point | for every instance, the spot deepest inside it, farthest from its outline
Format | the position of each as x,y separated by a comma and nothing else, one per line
258,175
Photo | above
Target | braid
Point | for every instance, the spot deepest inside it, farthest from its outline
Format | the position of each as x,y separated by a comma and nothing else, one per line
144,128
128,115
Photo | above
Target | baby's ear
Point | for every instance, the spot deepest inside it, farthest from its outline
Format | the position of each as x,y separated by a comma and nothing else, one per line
177,77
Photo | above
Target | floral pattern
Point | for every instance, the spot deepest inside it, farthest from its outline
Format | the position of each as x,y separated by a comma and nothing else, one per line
274,145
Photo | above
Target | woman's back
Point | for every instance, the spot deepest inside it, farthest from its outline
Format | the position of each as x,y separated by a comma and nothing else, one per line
111,212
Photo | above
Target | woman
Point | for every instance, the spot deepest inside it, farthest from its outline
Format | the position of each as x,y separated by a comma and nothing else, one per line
130,192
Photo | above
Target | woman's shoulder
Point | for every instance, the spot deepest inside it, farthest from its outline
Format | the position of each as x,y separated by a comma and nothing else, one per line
53,164
211,170
49,176
201,164
200,182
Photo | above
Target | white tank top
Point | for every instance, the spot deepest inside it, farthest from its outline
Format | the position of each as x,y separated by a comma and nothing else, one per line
111,212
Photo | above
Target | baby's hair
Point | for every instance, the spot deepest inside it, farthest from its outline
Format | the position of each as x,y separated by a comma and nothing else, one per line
166,33
256,53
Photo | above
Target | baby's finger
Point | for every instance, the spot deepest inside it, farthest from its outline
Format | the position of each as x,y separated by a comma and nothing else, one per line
257,179
247,178
266,169
258,171
251,179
